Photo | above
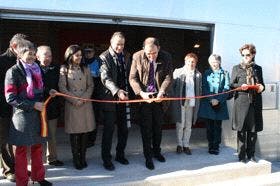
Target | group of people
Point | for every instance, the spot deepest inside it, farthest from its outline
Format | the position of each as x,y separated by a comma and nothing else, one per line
30,77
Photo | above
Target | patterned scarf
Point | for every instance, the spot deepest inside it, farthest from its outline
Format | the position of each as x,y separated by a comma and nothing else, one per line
33,78
249,76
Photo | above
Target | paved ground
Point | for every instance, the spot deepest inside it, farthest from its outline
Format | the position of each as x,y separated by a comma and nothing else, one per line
95,174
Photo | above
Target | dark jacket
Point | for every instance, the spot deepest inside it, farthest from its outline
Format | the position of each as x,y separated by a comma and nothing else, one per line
7,60
241,99
179,76
50,79
213,83
25,130
109,76
139,72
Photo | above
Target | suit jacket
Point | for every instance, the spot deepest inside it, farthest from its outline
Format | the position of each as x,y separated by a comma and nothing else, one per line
241,100
109,75
139,72
177,89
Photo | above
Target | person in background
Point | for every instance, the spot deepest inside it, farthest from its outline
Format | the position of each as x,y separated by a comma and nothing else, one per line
7,60
187,83
114,76
75,80
94,64
150,77
214,109
24,91
50,79
247,116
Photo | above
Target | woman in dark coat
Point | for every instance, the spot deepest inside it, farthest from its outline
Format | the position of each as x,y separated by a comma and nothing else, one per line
247,109
24,91
214,109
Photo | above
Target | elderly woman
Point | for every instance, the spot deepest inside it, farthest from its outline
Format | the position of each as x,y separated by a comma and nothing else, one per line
75,80
214,109
247,108
187,83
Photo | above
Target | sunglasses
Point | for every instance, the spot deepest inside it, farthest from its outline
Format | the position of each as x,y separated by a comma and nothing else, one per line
246,55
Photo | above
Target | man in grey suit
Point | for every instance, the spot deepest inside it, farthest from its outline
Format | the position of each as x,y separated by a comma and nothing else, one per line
187,83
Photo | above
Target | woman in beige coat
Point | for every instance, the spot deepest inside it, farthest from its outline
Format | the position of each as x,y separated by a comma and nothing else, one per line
75,80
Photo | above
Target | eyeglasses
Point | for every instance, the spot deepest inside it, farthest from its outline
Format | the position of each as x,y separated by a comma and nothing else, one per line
246,55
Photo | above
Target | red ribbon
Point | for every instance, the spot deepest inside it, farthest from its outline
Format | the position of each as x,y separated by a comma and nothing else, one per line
44,128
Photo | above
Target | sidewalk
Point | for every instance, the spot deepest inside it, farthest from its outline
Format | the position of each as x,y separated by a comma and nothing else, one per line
95,174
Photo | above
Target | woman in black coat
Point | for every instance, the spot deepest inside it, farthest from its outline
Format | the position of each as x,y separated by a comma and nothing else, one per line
247,109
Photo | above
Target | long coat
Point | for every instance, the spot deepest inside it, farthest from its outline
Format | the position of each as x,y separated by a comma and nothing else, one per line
25,128
213,83
177,89
74,82
241,100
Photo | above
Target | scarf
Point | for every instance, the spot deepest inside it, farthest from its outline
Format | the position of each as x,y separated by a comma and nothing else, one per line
249,77
33,78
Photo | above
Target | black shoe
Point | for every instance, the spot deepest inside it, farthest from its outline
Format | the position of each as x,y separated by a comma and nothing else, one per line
56,163
160,157
179,149
44,183
10,177
150,164
252,159
216,152
211,151
122,160
109,166
187,150
242,160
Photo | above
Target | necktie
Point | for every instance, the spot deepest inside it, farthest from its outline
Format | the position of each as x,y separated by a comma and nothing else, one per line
151,81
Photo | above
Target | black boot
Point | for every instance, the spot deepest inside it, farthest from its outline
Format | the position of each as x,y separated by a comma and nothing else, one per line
75,146
84,141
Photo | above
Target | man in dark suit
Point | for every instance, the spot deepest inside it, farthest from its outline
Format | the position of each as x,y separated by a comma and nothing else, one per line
150,77
114,76
7,60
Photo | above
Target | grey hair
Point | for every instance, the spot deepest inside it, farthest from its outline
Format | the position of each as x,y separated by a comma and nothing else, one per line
42,48
117,34
24,46
216,57
17,38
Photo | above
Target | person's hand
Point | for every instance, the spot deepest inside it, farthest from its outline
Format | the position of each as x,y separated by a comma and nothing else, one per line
244,87
79,103
39,106
160,95
122,95
260,88
52,92
214,102
148,96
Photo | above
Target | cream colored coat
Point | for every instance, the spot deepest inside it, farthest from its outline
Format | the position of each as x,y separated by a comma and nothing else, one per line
78,119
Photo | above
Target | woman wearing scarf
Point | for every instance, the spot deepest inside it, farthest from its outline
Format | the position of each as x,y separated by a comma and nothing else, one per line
247,108
214,109
24,91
